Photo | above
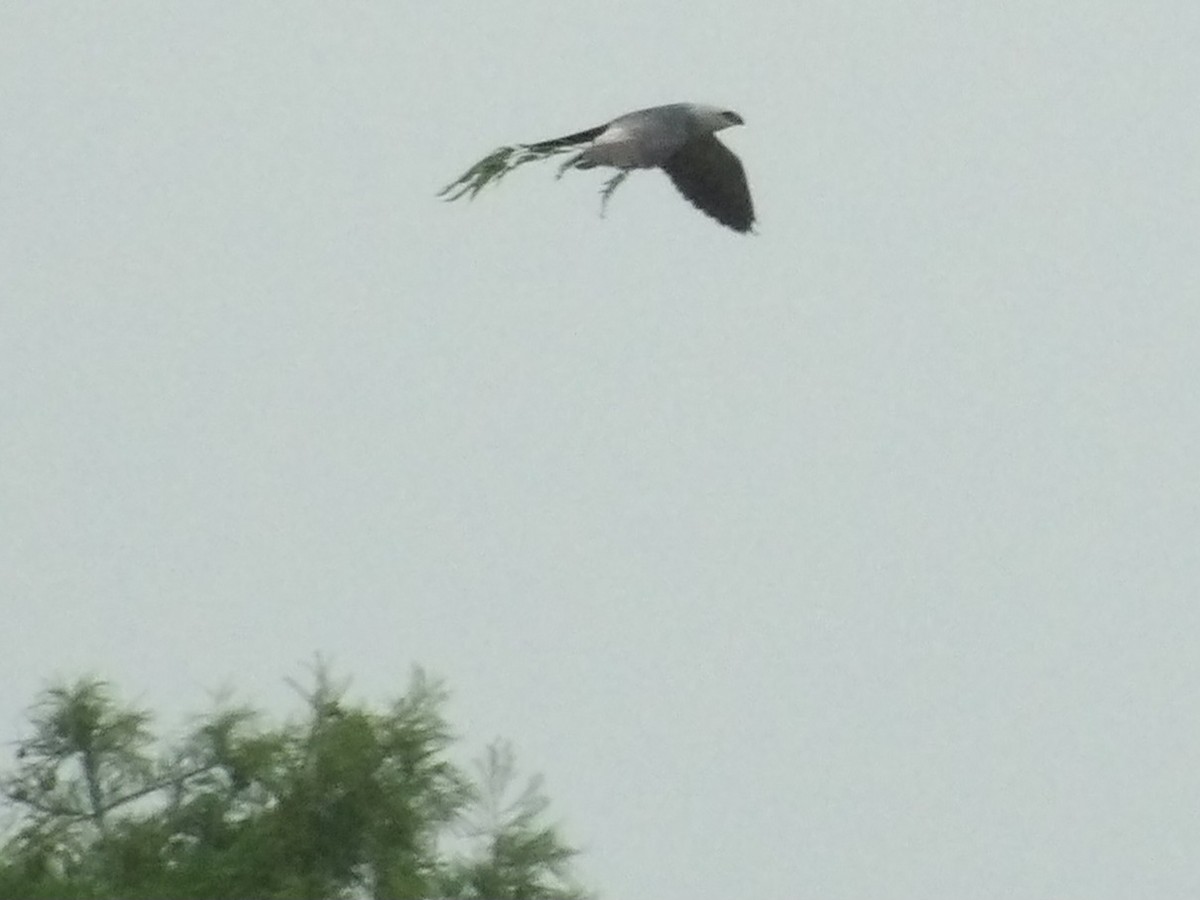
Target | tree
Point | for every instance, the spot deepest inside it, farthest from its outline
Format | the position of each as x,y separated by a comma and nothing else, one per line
516,856
344,802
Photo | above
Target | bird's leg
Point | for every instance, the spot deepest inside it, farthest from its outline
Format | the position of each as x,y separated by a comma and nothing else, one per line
609,186
569,164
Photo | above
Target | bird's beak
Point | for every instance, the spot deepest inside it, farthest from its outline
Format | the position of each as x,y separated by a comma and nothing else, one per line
733,118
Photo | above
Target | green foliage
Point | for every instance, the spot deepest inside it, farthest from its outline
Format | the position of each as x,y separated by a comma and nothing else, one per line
493,167
345,802
514,855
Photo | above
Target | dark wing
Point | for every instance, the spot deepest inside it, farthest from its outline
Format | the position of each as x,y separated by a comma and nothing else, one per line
708,174
579,137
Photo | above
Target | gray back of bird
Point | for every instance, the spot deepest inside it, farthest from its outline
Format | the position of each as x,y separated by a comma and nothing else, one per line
656,133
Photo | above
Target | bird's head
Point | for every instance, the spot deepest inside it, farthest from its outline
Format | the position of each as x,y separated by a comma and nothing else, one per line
716,118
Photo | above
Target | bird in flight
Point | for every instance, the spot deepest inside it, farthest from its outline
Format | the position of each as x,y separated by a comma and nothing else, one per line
679,138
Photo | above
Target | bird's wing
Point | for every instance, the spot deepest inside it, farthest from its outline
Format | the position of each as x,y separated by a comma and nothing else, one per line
708,174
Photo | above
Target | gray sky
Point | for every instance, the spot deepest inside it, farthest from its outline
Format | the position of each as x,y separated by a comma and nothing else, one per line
856,559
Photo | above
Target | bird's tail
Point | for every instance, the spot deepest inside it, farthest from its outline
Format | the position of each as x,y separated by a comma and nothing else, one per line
579,137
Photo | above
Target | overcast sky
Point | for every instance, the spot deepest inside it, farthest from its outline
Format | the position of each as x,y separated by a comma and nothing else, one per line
857,558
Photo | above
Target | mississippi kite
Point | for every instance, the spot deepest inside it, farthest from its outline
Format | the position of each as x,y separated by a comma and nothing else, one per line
680,139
